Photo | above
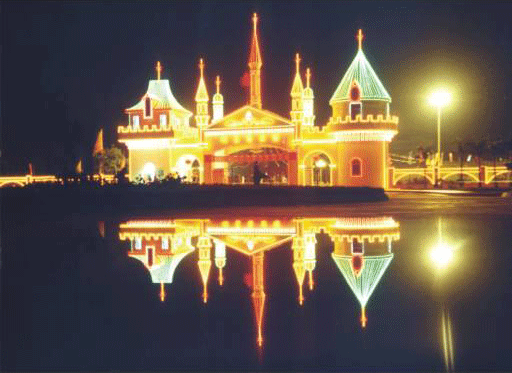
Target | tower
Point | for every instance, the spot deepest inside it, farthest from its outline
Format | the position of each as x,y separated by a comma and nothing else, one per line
218,102
362,125
255,64
308,102
202,99
296,93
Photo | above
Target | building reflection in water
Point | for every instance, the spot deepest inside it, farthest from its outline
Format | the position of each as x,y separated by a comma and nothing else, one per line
362,250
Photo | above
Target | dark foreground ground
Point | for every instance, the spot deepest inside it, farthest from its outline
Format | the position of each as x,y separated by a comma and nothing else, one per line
129,199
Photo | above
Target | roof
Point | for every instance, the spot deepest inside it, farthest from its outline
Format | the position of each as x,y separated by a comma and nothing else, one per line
363,74
249,117
164,270
364,284
161,97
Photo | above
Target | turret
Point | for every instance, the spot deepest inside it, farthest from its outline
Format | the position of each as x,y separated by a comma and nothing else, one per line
218,102
296,94
255,63
202,117
308,99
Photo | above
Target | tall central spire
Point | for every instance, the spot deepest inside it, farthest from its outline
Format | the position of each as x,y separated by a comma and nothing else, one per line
255,64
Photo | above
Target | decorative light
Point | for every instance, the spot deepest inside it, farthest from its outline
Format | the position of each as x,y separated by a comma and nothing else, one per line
321,163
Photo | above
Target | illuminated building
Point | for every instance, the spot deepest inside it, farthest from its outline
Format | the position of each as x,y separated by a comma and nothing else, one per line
351,149
362,250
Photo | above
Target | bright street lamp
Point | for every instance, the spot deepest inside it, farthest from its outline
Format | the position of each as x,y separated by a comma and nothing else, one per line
439,99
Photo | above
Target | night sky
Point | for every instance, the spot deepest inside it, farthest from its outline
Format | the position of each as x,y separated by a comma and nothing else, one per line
69,69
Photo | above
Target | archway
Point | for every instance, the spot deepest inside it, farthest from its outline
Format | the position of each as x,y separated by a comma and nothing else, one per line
189,168
317,169
273,162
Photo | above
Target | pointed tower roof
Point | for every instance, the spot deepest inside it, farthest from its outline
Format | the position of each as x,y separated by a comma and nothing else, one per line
361,72
308,92
255,61
202,93
217,97
297,86
364,283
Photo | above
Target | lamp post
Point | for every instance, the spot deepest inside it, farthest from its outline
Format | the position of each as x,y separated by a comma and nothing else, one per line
439,99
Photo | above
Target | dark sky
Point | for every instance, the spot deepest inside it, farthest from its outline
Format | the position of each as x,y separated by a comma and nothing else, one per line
70,68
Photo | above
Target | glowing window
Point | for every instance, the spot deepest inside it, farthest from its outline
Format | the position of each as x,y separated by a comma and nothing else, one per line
165,244
163,120
355,93
357,247
147,107
150,257
138,243
356,167
136,121
149,171
355,109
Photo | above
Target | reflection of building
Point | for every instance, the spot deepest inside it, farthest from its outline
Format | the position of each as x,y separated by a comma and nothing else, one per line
362,249
351,149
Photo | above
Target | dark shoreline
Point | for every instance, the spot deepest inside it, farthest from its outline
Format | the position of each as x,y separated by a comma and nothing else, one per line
116,199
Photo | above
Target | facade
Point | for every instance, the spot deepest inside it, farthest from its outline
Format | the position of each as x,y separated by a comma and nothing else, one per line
163,137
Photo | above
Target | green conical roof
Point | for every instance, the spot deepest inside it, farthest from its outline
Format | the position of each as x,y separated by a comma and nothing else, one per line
362,73
364,284
161,97
164,271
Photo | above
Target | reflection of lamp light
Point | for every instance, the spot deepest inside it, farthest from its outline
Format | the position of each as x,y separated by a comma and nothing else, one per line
321,163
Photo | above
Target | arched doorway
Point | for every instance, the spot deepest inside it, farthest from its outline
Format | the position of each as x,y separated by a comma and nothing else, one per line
272,162
317,169
189,168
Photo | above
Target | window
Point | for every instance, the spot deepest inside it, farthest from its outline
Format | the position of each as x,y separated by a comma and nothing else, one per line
147,107
357,247
138,243
136,121
355,109
150,257
163,120
165,244
356,168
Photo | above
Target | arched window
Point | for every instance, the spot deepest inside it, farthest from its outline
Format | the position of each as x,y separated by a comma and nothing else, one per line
147,111
356,168
355,98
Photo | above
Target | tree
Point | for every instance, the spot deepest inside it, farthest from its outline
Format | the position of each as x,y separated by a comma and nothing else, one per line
111,160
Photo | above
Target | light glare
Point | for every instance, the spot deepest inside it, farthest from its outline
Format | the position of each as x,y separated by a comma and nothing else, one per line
440,98
442,255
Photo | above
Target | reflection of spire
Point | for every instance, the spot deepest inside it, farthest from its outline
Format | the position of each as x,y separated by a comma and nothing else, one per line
162,291
204,263
258,295
310,256
220,259
298,264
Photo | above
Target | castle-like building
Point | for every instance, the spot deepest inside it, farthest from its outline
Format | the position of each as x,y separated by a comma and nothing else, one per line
210,147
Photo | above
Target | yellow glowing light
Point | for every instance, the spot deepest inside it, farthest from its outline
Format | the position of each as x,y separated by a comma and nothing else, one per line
442,255
440,98
158,70
360,38
321,163
162,292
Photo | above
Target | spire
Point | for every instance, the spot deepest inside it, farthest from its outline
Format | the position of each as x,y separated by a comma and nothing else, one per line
308,101
202,93
308,77
202,99
297,86
255,64
158,70
204,263
360,38
217,84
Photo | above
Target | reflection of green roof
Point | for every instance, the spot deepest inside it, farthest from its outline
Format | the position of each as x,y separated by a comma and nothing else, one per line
364,284
164,271
362,73
161,97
